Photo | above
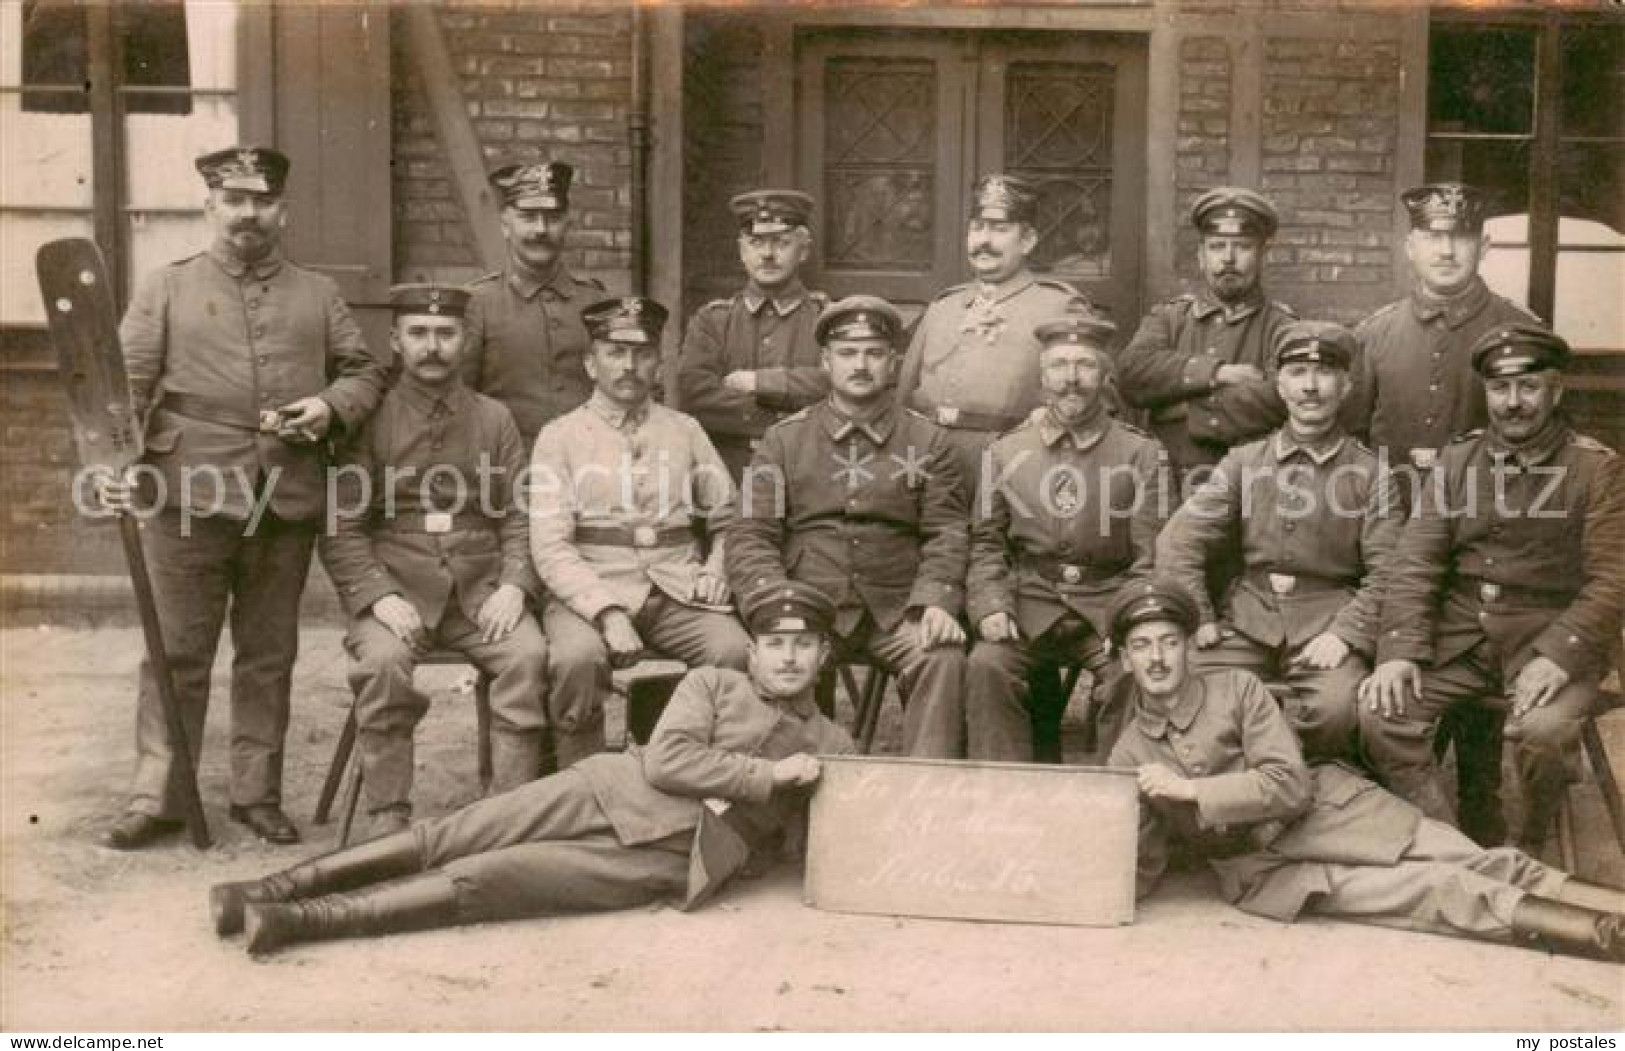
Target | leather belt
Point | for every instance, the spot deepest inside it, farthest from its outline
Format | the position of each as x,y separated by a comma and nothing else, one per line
1423,459
437,522
1489,592
955,418
1282,584
1057,572
635,536
211,410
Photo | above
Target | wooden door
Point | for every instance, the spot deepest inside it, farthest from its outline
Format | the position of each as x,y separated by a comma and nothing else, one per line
896,126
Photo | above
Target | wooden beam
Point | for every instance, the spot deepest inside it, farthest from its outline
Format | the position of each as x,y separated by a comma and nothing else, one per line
455,131
107,144
1161,132
1543,209
256,63
665,185
778,101
1410,144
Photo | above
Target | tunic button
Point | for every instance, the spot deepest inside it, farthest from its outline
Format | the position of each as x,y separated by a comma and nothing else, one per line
264,359
1288,526
259,330
1489,561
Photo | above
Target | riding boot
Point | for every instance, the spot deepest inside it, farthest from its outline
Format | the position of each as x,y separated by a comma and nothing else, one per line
1542,791
374,861
1478,738
515,758
418,903
1559,927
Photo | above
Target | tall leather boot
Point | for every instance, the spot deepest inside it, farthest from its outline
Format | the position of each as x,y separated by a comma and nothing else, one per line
1478,739
374,861
1592,895
1559,927
515,758
418,903
1542,789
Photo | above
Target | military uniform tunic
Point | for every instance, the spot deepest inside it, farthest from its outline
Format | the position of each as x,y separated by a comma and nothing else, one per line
426,510
1285,839
1169,366
771,336
1066,520
872,513
527,345
1508,556
1312,526
209,343
972,366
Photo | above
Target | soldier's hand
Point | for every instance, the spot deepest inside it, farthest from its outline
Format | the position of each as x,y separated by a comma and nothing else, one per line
998,627
401,618
938,627
741,380
1389,688
1159,782
500,613
1324,652
1537,683
305,420
116,492
709,589
1232,374
621,639
796,771
1208,635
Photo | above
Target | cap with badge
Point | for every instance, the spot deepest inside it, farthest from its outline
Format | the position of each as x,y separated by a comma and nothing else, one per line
771,211
628,319
1150,601
1076,328
1004,199
253,169
544,186
443,300
1234,211
1512,350
1445,207
1315,343
859,317
790,606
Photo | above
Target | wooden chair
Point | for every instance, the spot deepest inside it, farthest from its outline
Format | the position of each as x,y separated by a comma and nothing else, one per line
1602,739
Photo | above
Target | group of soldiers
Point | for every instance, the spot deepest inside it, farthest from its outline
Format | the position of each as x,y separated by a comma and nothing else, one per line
971,514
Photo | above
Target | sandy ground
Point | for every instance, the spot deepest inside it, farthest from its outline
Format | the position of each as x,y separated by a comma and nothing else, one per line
98,940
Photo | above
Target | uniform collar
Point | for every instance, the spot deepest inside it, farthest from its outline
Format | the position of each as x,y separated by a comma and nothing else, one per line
878,428
1180,716
1051,431
802,705
260,269
1545,445
1455,311
425,399
1286,446
558,285
982,292
613,414
1207,305
785,303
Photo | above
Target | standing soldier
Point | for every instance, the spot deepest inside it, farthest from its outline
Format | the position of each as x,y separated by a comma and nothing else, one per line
1074,500
862,499
750,360
430,550
526,342
1306,510
1507,588
1416,390
623,490
1201,363
243,365
972,367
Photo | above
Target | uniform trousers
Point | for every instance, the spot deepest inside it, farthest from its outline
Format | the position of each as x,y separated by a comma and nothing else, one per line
203,568
579,668
388,706
931,683
998,701
1321,709
545,848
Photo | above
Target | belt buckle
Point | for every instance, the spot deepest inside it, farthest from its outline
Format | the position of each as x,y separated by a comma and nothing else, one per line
1071,574
1424,459
1488,592
1283,583
644,536
437,522
947,415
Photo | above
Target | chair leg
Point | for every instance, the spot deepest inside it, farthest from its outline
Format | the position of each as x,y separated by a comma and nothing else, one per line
874,696
1591,737
482,719
335,768
352,798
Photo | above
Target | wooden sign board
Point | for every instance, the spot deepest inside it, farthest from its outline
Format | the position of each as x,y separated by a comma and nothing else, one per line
977,841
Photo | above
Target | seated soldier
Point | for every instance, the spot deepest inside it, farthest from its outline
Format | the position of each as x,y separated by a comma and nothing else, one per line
727,769
419,565
1308,513
618,490
1223,780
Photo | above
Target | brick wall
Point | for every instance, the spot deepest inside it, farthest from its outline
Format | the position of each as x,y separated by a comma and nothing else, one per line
1202,151
541,82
